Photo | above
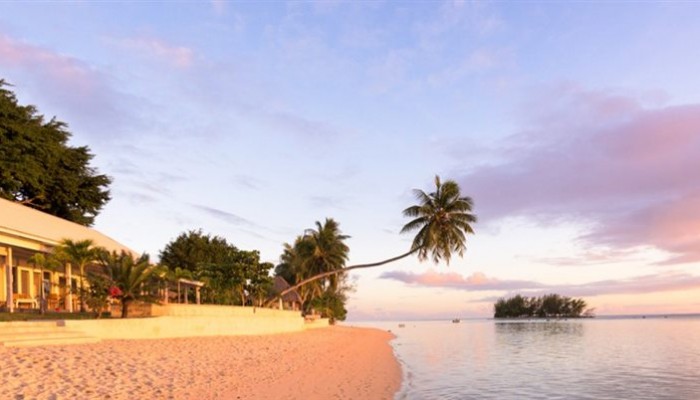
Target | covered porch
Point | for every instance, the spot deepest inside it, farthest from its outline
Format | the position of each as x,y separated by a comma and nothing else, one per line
22,283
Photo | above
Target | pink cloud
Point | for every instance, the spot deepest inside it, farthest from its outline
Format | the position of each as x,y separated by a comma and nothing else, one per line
178,56
62,70
629,171
65,86
477,282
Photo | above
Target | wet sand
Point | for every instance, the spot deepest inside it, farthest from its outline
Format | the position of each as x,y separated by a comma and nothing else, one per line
328,363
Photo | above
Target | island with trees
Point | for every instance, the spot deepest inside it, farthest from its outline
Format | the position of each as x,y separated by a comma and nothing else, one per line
546,306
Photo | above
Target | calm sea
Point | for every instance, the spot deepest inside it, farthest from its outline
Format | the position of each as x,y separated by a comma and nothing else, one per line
601,358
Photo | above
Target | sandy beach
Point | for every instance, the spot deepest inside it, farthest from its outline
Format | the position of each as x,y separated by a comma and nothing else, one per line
329,363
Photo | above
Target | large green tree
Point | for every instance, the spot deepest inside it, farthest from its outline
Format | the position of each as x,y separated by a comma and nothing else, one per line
231,275
442,219
39,169
193,249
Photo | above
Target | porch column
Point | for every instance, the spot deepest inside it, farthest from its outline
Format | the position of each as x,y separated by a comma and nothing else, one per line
69,291
8,279
196,290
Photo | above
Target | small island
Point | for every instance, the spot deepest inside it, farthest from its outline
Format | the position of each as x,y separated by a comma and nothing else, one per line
546,306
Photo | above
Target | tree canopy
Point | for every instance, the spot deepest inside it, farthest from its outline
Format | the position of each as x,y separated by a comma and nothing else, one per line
232,276
318,251
442,219
193,249
38,167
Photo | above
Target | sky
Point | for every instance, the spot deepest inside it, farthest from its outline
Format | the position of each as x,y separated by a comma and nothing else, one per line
574,126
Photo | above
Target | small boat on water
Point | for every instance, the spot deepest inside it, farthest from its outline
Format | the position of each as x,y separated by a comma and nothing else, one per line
455,321
402,325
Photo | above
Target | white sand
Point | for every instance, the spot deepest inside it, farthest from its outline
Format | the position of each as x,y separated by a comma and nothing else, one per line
328,363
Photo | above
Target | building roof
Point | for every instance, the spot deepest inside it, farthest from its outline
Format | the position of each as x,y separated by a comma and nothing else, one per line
279,285
26,227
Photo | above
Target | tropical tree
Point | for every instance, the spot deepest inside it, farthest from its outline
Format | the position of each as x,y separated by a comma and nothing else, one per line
131,278
547,306
318,251
193,248
331,305
79,254
40,170
258,282
442,219
43,262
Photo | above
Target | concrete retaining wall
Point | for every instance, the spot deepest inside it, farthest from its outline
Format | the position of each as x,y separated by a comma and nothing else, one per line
317,323
182,320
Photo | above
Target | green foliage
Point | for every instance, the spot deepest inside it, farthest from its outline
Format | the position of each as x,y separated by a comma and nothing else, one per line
442,219
331,305
44,262
79,254
231,276
259,282
135,278
229,281
318,251
39,169
193,249
547,306
97,294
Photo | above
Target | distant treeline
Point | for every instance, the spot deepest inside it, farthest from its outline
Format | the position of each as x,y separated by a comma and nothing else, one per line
547,306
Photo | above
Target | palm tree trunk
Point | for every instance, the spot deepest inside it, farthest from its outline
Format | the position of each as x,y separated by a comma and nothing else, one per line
82,289
42,297
125,308
337,271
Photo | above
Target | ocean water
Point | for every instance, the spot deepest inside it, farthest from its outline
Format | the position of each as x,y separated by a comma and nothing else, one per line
601,358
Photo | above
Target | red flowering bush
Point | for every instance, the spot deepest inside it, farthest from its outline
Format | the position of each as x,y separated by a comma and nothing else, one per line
115,292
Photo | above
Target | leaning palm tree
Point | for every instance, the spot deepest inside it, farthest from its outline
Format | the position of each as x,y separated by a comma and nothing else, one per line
442,218
130,277
79,254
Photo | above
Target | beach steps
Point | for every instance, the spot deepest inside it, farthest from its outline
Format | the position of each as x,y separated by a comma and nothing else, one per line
40,333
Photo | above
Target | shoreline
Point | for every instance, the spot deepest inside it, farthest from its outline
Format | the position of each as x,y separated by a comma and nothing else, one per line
336,362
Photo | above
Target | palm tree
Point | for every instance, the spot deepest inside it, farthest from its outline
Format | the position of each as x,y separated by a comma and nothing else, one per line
318,251
43,262
129,276
79,254
442,218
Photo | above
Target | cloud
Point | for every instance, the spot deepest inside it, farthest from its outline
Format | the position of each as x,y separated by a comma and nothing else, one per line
248,182
67,82
451,280
604,160
223,215
177,56
478,282
335,202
